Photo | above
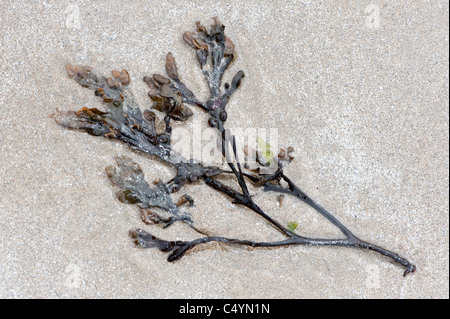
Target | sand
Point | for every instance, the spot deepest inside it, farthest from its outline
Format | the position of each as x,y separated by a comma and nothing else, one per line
358,88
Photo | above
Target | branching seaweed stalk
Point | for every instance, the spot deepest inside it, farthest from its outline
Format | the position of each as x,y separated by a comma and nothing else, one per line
123,120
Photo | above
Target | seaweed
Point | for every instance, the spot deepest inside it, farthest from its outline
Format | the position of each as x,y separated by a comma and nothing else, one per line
123,120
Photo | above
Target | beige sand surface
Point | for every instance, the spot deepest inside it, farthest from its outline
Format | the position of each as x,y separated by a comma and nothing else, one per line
358,88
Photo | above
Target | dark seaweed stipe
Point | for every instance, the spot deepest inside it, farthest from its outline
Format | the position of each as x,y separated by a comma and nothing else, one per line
123,120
